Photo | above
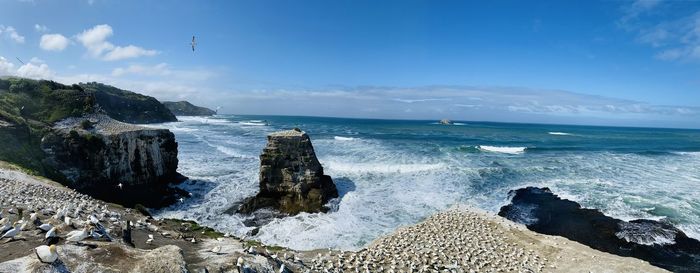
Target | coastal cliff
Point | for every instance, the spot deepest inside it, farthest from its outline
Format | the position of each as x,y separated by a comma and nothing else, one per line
184,108
114,161
64,133
291,177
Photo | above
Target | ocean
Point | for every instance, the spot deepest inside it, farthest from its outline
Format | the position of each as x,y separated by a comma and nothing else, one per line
393,173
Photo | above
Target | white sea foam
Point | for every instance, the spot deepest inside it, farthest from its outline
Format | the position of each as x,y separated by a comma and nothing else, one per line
207,120
645,233
251,123
500,149
379,167
231,152
559,133
340,138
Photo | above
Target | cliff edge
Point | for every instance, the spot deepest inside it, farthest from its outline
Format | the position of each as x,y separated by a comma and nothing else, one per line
184,108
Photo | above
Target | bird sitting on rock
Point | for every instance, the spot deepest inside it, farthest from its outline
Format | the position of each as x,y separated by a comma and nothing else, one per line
78,235
12,232
51,237
46,254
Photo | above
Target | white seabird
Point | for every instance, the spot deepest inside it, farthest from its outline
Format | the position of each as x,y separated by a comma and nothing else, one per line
78,235
51,233
5,225
45,227
46,254
12,232
216,249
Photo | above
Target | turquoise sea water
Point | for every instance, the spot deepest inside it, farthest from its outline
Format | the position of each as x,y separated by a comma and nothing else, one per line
392,173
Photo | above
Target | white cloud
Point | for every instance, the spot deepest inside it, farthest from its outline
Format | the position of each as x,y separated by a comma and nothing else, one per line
11,33
34,69
128,52
6,67
676,39
636,8
156,70
95,41
53,42
40,28
163,71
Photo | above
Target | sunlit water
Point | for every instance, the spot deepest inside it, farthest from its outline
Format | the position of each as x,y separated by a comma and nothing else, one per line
395,173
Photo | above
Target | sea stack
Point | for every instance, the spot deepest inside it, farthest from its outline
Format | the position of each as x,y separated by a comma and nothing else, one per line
291,177
446,122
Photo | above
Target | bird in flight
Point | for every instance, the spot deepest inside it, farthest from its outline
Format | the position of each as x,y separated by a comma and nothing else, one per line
194,43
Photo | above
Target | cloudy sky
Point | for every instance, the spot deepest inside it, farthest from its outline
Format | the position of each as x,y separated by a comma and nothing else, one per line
631,63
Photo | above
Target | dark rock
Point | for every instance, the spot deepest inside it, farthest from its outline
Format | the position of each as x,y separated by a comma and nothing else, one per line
659,243
115,161
291,177
184,108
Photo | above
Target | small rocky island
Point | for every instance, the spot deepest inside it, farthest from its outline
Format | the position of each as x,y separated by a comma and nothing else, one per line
291,177
446,122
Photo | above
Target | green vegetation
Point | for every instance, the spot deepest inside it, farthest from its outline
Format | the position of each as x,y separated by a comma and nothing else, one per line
184,108
43,101
128,106
192,228
27,108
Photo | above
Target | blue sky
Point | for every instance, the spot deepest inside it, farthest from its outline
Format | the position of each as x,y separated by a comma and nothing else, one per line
633,63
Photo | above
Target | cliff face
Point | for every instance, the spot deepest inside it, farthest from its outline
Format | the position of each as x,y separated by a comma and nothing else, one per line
114,161
291,177
184,108
43,129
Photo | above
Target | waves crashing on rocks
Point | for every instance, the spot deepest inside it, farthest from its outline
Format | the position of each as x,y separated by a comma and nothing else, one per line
657,242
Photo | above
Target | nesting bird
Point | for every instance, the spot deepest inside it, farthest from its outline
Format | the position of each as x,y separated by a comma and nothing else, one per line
11,233
46,254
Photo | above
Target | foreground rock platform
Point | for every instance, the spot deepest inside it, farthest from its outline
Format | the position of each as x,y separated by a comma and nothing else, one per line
291,177
461,239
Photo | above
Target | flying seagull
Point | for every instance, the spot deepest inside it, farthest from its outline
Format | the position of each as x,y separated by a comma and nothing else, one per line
194,43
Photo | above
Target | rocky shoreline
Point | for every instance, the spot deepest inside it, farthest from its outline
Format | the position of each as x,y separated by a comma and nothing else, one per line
657,242
461,239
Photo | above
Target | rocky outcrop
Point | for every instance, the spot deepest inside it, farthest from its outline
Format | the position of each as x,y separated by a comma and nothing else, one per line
114,161
446,122
184,108
658,242
291,177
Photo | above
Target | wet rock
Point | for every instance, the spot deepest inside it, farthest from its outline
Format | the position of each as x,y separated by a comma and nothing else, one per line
291,177
658,242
